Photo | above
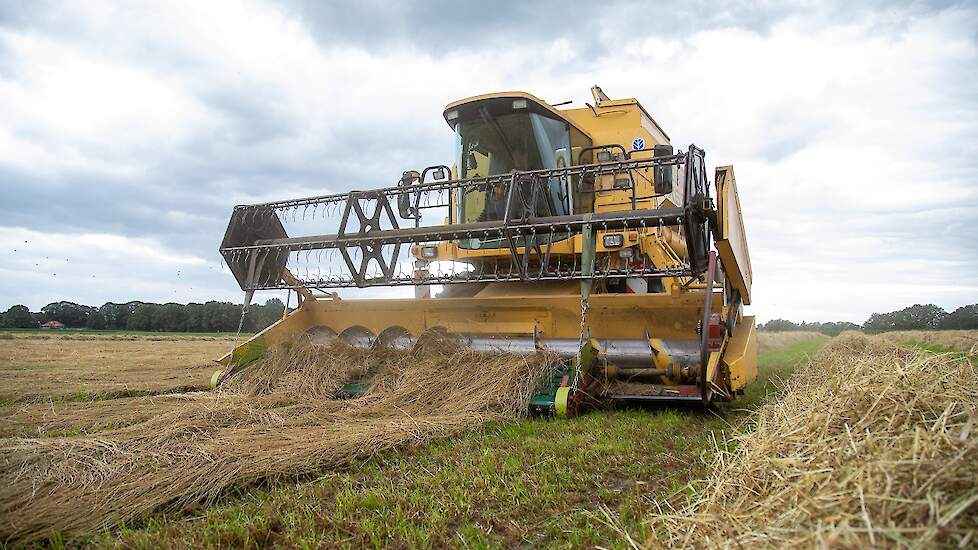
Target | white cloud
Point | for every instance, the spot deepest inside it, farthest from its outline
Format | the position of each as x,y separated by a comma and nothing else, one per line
40,267
65,110
847,144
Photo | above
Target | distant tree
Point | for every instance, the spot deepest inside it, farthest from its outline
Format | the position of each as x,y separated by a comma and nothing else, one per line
95,320
832,328
779,325
71,314
875,323
211,317
228,316
836,328
117,315
261,316
18,317
965,317
915,317
195,317
145,317
172,318
922,316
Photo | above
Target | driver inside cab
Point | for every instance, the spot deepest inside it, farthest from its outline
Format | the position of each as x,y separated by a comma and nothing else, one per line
495,206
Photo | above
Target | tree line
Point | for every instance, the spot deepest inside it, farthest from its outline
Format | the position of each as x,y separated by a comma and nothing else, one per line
915,317
211,316
216,316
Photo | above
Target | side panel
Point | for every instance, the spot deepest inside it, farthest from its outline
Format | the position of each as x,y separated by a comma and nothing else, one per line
555,316
283,330
740,355
732,245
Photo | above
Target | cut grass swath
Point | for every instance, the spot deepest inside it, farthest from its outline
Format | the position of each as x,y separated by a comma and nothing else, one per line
273,423
871,444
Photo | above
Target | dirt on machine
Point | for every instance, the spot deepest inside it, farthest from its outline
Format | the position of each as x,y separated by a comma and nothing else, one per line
581,232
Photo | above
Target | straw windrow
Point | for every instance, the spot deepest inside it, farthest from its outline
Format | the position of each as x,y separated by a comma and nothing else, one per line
275,422
870,444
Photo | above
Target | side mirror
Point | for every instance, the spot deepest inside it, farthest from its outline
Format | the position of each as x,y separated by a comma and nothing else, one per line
471,163
662,174
404,206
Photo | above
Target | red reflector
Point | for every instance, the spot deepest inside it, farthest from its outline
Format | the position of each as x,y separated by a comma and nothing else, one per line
715,334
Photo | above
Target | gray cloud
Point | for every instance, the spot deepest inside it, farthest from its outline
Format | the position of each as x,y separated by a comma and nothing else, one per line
310,97
446,25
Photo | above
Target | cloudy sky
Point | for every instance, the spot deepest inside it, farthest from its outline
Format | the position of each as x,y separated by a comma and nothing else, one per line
128,131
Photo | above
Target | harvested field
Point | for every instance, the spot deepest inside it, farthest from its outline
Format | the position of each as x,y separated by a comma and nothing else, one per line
767,341
274,423
44,367
68,418
871,444
958,340
113,335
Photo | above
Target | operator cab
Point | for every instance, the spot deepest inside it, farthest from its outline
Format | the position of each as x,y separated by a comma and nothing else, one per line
502,133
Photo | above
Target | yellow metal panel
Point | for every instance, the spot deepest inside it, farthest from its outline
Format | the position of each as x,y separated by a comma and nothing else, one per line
531,288
283,330
616,124
732,246
656,129
740,354
665,316
711,366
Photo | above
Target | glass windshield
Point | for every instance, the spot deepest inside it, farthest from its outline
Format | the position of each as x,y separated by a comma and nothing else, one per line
491,145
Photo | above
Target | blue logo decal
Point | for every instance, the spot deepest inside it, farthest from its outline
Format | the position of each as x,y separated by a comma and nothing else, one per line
638,143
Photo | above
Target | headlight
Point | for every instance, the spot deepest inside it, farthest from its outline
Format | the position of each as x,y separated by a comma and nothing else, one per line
429,252
613,240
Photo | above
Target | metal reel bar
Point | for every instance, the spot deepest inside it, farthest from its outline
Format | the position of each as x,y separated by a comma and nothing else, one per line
369,239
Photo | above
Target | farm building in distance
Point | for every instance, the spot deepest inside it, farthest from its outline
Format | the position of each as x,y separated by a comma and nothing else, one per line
53,325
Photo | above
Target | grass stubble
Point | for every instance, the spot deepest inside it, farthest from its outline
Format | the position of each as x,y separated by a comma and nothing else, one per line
39,367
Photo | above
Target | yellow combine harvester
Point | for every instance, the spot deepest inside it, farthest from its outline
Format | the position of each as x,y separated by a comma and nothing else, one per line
579,231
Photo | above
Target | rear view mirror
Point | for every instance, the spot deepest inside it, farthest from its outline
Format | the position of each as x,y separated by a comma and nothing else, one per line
404,206
663,174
